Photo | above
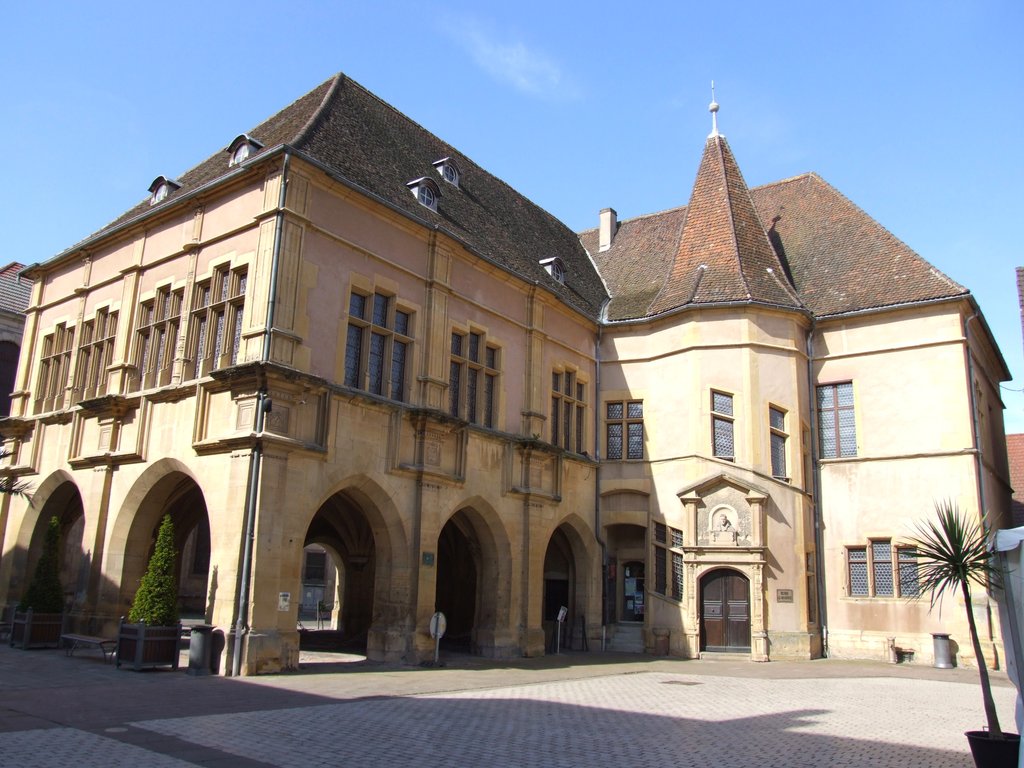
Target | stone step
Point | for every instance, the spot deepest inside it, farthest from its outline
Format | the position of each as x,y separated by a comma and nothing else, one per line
626,638
725,656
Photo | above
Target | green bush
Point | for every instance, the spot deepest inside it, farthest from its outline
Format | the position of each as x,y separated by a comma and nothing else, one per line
45,594
156,602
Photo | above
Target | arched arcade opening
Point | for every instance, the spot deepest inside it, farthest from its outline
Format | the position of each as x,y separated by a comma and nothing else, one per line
472,590
340,574
64,502
178,495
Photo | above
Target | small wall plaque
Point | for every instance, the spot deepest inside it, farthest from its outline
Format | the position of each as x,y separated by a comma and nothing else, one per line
784,595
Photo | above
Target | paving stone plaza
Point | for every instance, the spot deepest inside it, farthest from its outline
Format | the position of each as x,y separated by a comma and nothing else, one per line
571,710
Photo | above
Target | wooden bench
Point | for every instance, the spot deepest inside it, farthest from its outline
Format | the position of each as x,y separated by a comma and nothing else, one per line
106,644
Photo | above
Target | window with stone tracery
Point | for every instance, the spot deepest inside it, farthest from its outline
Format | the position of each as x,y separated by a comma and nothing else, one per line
216,321
54,368
95,354
158,328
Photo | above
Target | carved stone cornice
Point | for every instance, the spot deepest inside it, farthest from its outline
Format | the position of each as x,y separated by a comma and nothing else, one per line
15,427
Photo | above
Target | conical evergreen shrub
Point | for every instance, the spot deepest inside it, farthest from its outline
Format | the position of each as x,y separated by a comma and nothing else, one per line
45,594
156,602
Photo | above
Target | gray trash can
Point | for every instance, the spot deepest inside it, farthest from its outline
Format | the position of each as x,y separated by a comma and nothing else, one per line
942,651
217,643
200,647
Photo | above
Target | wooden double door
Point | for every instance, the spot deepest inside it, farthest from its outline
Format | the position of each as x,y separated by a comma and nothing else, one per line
725,611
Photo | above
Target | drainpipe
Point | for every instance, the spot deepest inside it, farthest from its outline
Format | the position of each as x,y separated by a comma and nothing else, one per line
256,455
597,482
819,557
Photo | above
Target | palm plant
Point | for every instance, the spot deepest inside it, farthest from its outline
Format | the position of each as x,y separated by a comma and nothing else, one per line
952,551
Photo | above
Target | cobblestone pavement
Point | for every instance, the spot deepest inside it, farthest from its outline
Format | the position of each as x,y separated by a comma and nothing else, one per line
584,710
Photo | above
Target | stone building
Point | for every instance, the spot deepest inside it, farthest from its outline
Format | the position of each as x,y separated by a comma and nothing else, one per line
698,431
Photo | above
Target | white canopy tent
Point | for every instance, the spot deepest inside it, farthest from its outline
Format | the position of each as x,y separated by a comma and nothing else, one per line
1010,561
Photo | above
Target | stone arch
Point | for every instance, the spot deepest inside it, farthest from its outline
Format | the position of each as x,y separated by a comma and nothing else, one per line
360,525
474,578
57,496
167,486
569,577
625,506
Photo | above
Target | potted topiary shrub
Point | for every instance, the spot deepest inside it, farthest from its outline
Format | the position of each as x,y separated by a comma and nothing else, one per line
38,620
953,551
152,635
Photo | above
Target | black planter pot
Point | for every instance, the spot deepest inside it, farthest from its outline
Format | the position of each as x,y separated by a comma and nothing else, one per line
993,753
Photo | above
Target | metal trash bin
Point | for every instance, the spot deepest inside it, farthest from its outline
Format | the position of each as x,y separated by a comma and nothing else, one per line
200,647
942,651
217,642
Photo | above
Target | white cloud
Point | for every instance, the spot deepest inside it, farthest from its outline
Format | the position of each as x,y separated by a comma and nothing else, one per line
514,63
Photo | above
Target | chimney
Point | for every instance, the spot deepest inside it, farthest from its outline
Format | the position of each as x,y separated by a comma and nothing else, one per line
606,232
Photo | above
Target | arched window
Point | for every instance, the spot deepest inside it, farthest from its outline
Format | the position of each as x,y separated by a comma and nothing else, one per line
242,147
425,191
161,188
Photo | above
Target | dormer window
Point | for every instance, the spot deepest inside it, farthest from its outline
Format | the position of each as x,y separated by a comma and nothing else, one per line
448,170
241,148
161,188
554,267
426,192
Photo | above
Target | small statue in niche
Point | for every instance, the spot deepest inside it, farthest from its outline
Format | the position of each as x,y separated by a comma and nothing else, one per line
722,528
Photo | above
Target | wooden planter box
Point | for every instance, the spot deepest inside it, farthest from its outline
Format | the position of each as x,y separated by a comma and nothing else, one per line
36,630
143,647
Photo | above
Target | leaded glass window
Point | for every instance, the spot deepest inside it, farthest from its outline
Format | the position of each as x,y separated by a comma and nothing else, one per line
377,345
568,411
723,444
95,354
873,573
837,429
660,576
857,559
158,328
54,368
624,421
216,322
881,563
677,576
910,584
473,378
777,431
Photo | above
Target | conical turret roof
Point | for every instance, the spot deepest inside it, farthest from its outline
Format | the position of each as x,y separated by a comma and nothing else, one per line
724,254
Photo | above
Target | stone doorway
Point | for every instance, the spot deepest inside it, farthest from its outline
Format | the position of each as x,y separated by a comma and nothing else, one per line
725,612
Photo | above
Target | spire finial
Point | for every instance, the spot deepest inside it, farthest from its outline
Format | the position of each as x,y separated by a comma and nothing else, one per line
713,109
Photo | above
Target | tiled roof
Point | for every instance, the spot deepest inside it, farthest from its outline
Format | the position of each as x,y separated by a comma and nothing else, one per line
14,292
723,253
836,257
371,145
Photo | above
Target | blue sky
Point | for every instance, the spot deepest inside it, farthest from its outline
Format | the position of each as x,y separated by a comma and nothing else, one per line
911,109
